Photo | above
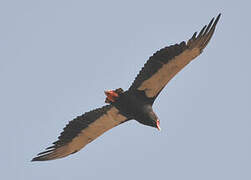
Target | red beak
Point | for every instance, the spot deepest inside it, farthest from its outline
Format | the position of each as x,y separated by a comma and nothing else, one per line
158,126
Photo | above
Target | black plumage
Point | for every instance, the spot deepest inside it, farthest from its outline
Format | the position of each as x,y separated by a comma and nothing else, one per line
135,103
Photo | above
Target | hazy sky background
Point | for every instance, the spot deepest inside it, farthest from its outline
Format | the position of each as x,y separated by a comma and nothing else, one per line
58,57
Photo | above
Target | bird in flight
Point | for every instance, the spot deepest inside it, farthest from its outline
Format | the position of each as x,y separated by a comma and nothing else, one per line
135,103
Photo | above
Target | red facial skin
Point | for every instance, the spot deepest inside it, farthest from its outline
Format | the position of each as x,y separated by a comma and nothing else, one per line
158,125
111,96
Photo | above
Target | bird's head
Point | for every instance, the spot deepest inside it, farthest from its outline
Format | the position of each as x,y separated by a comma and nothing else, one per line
156,123
152,123
113,95
149,118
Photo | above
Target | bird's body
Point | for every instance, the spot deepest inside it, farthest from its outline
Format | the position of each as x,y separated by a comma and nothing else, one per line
135,103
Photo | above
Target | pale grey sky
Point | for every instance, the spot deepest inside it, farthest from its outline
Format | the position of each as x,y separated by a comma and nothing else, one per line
57,58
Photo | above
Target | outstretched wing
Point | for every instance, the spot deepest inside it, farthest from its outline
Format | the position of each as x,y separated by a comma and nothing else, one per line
81,131
167,62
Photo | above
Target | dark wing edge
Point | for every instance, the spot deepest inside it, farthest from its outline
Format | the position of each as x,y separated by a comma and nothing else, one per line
167,54
81,131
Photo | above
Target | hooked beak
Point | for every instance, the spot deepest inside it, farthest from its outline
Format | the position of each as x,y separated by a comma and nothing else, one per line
158,125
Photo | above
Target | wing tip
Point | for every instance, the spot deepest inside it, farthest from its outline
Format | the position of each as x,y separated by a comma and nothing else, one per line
219,15
35,159
47,157
205,34
39,158
217,18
